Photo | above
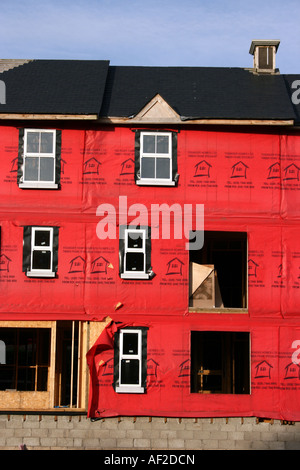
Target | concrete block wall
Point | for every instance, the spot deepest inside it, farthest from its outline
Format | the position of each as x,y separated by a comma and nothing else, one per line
47,432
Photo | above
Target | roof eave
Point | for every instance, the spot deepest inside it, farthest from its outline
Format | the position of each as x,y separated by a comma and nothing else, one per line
196,121
48,117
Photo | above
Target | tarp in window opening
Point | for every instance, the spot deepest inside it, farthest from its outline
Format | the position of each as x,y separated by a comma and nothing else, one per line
274,373
248,182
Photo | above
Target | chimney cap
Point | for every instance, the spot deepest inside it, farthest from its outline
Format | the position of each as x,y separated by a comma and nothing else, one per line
263,42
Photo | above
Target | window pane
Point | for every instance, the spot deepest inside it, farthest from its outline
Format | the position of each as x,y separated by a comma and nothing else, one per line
46,142
42,238
135,240
31,172
149,144
163,168
41,260
130,343
47,169
148,167
134,262
162,144
33,142
130,371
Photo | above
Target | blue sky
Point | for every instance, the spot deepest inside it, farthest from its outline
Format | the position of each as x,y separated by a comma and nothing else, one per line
150,32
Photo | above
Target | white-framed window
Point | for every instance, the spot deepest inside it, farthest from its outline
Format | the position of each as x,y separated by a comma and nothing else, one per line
39,159
130,362
40,251
134,253
156,159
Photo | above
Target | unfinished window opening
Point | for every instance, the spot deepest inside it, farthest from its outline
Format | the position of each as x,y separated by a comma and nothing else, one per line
220,362
265,57
25,359
218,272
45,358
67,363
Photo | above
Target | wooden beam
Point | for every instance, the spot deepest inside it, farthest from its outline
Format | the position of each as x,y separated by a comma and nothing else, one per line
223,122
49,117
141,121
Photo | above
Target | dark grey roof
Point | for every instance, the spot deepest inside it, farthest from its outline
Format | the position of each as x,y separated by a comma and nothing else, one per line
293,90
55,87
198,92
94,87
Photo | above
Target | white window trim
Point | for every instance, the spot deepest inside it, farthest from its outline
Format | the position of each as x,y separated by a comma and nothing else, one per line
41,272
135,274
127,388
39,184
156,181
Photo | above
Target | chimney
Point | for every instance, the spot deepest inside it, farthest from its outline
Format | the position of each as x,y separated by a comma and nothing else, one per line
264,52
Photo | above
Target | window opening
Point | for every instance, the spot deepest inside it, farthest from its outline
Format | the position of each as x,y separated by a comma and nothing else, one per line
218,272
42,245
67,364
220,362
265,57
39,160
156,158
27,361
135,253
129,361
40,251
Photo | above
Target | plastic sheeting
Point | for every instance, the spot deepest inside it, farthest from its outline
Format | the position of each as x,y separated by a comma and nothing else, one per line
275,384
248,182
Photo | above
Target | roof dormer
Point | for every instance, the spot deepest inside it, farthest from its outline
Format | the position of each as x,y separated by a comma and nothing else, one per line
264,52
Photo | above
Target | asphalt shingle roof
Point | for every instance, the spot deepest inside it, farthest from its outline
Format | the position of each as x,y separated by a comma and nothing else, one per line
94,87
295,90
198,92
55,87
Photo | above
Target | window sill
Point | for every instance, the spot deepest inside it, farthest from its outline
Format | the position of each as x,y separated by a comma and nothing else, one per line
217,310
147,182
40,274
38,185
130,389
136,276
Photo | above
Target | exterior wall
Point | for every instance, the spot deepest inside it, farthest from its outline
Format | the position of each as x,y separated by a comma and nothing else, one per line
92,162
44,432
261,203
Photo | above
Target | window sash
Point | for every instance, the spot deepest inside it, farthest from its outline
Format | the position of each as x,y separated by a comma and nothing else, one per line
137,250
50,156
157,157
127,387
37,248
